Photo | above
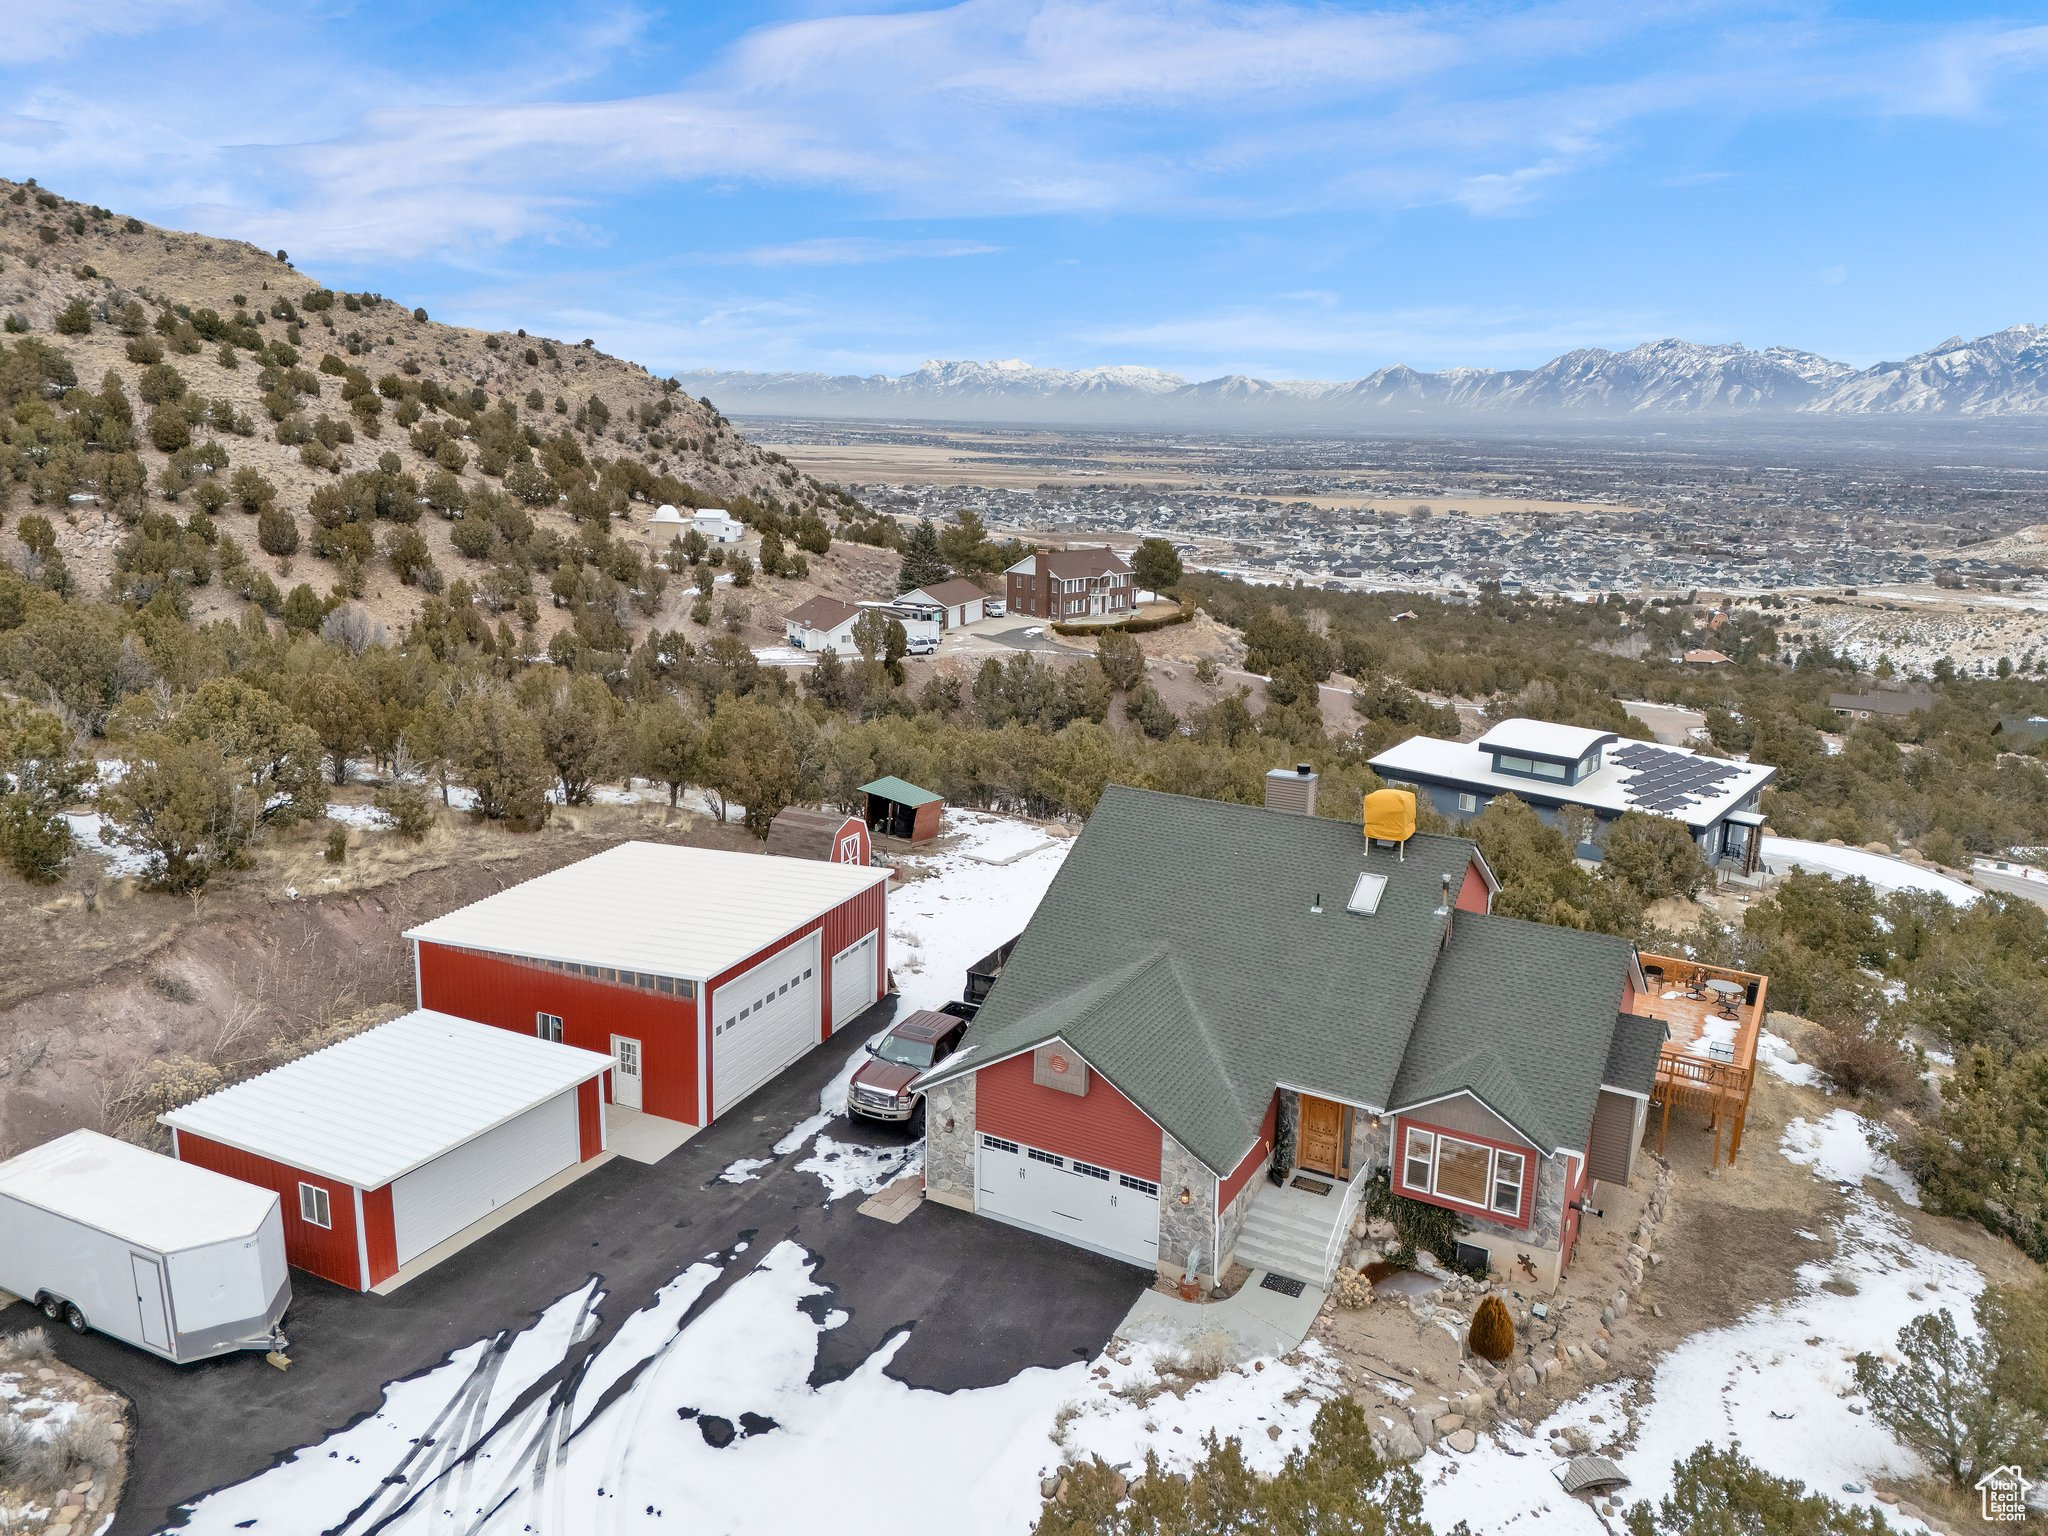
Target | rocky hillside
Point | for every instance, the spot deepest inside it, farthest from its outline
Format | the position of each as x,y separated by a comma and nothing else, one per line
341,411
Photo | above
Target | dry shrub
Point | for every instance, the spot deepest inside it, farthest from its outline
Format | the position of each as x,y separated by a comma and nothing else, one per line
1864,1062
30,1344
1492,1336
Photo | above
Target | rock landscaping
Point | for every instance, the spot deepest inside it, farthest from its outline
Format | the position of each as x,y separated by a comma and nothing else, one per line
61,1443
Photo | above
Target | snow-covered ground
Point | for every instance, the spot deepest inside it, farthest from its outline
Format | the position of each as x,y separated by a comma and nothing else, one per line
715,1426
1883,872
365,817
90,829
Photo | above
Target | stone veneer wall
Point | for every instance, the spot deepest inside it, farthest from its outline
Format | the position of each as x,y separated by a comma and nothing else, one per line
1369,1144
1185,1227
949,1155
1234,1214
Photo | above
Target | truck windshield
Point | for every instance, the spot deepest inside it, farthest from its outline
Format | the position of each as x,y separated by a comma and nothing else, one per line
906,1053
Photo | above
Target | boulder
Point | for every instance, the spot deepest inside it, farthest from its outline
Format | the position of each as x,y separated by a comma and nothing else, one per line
1450,1423
1398,1442
1464,1442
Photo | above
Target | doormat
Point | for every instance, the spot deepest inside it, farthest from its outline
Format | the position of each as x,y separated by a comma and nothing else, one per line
1313,1186
1282,1284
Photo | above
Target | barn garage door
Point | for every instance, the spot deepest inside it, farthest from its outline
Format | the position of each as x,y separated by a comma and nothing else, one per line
1090,1207
763,1021
853,981
440,1198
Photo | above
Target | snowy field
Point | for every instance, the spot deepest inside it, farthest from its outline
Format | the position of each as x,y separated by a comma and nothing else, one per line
715,1427
1884,873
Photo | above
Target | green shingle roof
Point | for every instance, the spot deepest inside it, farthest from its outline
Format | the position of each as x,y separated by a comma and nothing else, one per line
1176,952
1523,1015
1632,1058
900,790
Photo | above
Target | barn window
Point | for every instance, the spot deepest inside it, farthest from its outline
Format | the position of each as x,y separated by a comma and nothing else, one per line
548,1026
313,1206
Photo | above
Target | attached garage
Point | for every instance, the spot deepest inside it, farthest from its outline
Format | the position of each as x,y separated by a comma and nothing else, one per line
701,972
385,1146
1069,1198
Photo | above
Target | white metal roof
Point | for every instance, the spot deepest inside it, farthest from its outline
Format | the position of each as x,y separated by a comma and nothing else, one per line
381,1103
1613,787
139,1196
674,911
1544,738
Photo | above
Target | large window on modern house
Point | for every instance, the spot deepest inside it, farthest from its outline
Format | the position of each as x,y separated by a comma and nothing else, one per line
1529,767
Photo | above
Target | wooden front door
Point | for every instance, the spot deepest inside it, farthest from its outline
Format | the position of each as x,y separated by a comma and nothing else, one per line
1322,1137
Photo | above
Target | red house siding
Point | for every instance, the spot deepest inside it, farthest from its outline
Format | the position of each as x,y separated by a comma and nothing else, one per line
589,1120
1101,1126
1472,895
1530,1160
329,1252
508,993
1245,1171
380,1234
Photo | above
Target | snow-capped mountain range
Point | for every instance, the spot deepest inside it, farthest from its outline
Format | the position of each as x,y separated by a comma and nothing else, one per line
2003,374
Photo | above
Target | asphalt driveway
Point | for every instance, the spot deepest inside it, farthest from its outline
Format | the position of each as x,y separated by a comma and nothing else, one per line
983,1301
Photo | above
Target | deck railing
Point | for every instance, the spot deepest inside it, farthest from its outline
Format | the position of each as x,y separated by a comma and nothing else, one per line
1718,1088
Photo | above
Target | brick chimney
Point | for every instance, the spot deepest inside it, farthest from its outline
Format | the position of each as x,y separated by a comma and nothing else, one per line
1292,789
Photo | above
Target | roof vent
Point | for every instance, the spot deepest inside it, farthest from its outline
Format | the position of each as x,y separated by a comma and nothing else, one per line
1292,789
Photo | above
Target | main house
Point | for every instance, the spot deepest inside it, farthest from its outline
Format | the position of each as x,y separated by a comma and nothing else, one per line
1213,993
1065,584
1559,769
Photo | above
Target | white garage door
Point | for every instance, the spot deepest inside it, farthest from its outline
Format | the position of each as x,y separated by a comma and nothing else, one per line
763,1021
440,1198
853,981
1077,1202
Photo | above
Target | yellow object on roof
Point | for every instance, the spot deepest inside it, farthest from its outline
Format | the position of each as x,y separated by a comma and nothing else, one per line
1390,815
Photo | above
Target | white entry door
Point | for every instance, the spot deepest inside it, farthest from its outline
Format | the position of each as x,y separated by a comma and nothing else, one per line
149,1301
466,1183
1094,1208
625,1072
853,981
763,1020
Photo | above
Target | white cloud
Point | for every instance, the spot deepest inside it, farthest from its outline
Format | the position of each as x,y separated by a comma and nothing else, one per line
36,31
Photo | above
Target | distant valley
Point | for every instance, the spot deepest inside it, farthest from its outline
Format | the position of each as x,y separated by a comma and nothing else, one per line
2002,375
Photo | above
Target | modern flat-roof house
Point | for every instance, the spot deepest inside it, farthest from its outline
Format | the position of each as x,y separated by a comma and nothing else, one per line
1885,703
1077,584
958,601
1214,998
1554,768
701,972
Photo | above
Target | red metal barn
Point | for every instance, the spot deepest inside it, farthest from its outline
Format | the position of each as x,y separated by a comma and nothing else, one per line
385,1146
702,973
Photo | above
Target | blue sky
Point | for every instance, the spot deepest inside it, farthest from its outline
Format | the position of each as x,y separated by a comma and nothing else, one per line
1270,187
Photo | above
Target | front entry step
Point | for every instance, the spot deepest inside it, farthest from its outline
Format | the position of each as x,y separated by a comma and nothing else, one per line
1290,1231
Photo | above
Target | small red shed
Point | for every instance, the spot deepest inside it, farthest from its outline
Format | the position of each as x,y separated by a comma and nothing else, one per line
701,972
833,836
389,1143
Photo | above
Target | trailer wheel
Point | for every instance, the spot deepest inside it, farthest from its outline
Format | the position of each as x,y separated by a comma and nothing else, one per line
73,1318
52,1307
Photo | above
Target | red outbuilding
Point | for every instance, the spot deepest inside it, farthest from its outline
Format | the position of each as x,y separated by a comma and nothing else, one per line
702,973
386,1146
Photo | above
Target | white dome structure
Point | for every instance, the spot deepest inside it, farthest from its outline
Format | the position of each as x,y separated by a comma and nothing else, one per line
668,515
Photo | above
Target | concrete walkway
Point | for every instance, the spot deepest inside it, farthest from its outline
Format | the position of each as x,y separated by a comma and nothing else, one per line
1254,1323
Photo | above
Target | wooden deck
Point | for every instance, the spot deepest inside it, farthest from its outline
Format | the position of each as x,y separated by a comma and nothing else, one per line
1709,1063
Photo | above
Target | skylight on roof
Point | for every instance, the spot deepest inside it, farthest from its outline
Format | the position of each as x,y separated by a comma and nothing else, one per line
1365,896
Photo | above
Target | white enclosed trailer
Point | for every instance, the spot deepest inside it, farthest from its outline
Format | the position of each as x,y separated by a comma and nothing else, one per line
172,1258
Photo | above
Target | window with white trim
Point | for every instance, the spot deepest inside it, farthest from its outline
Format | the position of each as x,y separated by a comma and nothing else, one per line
1091,1171
313,1206
1470,1173
1037,1156
997,1144
548,1026
1467,802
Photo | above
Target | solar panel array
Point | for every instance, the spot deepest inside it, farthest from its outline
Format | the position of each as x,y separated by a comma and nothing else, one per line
1665,781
